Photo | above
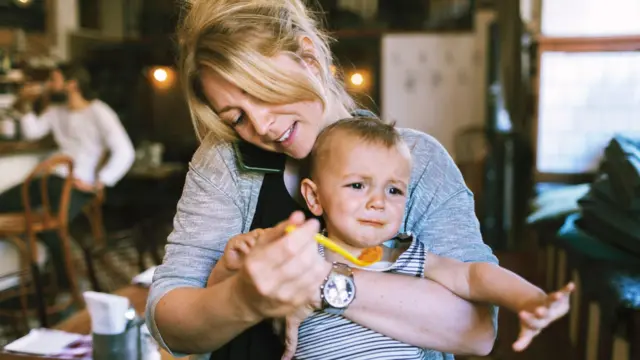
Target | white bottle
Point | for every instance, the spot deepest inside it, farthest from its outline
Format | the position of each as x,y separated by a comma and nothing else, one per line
149,349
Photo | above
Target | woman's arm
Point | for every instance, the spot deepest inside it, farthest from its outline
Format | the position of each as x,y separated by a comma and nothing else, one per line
197,320
422,313
182,314
485,283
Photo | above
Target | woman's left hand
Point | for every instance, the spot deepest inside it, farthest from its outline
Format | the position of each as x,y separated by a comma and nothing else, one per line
292,323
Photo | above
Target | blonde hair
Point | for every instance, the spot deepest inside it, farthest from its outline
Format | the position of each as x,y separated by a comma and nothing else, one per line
238,40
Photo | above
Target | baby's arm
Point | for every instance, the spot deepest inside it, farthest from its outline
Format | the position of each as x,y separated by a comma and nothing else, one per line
490,283
483,282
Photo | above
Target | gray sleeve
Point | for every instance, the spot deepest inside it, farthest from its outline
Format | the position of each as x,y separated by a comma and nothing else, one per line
441,211
206,217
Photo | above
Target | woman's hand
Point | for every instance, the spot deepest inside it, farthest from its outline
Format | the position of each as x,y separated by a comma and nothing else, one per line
283,272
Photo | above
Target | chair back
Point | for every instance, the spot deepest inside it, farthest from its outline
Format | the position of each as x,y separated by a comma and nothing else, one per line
42,174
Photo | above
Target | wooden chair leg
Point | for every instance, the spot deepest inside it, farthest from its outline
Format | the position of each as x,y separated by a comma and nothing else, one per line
23,289
37,279
68,261
93,212
91,271
40,300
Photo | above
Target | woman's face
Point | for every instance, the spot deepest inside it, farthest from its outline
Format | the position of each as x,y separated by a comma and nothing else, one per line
285,128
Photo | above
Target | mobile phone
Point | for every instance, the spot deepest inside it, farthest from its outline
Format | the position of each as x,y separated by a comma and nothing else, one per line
253,158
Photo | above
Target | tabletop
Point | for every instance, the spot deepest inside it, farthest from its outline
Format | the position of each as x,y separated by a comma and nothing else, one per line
80,322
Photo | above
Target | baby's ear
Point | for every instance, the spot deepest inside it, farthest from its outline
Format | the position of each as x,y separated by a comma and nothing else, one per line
309,192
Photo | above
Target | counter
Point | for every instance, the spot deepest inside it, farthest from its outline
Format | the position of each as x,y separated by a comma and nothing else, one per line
19,158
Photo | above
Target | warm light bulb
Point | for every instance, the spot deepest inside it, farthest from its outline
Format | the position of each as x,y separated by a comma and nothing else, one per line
357,79
23,3
160,75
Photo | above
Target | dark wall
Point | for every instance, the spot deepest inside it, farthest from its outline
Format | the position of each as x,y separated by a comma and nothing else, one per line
31,18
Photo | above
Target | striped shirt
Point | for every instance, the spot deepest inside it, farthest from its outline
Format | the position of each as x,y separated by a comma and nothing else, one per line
325,336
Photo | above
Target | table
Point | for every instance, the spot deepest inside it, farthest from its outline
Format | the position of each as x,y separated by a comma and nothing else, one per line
80,322
159,172
18,158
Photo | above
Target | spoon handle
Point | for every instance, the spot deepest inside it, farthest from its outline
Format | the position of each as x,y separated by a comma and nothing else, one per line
329,244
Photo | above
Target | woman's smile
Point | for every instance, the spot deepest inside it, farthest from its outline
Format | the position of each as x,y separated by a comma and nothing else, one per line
289,136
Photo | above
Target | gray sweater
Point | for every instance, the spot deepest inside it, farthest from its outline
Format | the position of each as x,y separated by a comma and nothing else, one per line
219,201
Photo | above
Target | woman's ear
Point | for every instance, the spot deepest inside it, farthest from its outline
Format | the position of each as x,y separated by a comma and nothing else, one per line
309,192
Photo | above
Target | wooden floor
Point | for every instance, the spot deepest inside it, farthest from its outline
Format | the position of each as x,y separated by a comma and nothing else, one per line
552,344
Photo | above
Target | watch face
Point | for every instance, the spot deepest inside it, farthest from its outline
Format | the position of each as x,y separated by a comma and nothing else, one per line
339,291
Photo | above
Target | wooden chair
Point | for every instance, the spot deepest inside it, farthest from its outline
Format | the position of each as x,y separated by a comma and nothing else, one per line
14,280
33,221
93,213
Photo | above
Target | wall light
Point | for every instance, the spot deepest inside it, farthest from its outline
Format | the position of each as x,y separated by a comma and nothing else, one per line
23,3
162,77
160,74
357,79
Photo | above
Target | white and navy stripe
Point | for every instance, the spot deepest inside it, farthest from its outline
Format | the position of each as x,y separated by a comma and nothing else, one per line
324,336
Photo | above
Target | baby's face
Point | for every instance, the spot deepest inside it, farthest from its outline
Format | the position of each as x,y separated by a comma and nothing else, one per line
362,189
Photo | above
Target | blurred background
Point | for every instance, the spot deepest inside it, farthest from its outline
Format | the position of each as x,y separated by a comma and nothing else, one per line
537,101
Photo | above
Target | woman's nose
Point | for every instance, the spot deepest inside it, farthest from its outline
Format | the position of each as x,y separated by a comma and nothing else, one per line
261,119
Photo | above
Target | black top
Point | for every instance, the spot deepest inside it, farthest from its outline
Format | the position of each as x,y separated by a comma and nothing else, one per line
274,205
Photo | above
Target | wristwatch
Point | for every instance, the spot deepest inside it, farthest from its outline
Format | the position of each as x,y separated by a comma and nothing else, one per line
338,290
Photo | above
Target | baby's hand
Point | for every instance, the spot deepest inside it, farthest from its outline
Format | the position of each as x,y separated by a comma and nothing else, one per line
291,325
234,254
555,306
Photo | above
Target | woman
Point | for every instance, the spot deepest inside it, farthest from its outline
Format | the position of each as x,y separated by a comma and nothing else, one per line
258,82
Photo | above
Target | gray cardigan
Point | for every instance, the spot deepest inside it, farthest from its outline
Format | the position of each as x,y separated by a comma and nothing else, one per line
219,201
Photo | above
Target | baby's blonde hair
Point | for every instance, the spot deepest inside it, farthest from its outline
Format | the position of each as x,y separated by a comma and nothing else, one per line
238,40
363,130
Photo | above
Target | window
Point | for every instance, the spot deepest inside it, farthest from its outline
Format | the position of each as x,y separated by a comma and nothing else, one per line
585,99
588,83
580,18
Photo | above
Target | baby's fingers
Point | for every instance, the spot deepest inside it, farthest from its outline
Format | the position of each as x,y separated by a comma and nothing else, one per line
291,342
244,247
563,293
541,312
524,339
531,321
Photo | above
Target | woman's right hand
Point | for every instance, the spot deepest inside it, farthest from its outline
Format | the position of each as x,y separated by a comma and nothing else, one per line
284,271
